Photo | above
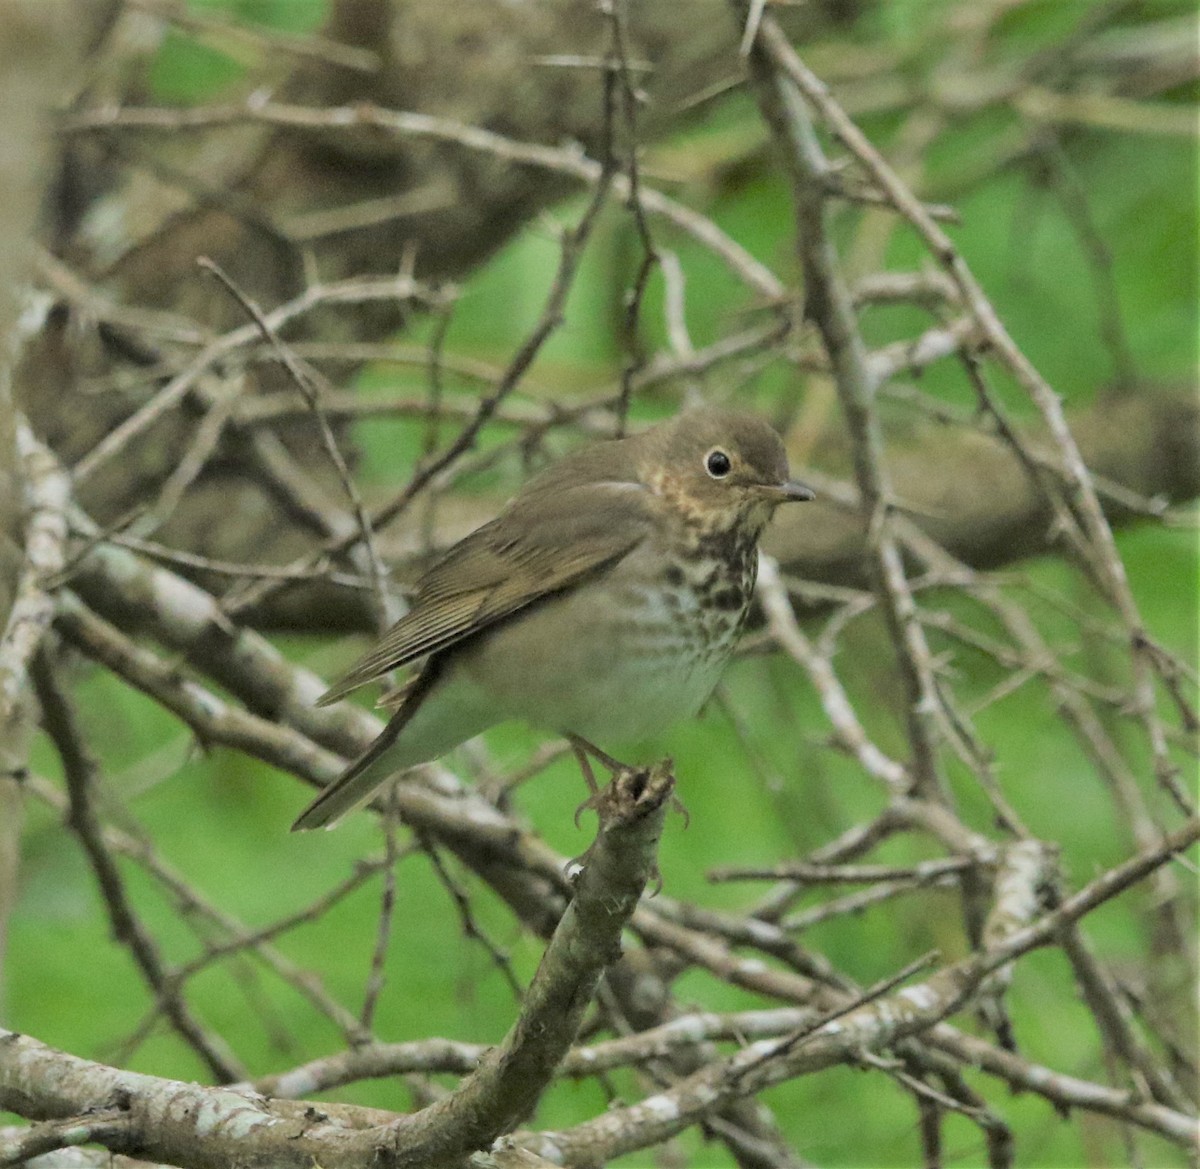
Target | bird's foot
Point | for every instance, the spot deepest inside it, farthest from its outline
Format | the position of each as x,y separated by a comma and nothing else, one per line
585,752
677,805
591,804
633,792
655,884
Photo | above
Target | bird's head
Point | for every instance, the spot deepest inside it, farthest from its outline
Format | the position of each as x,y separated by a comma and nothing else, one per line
723,469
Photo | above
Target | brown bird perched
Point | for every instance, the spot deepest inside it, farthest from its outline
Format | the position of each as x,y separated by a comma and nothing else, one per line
602,603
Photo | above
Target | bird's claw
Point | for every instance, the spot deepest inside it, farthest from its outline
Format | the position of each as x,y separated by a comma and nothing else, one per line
677,805
592,803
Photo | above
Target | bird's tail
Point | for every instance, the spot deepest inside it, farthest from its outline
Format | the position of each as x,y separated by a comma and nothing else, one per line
372,768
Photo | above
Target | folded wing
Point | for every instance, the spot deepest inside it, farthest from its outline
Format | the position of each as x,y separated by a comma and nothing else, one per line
543,543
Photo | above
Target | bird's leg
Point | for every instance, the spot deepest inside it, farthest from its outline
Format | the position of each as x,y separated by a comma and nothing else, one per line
585,765
584,753
632,791
583,749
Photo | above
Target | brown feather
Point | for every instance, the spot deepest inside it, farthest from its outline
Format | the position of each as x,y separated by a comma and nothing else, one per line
354,786
544,542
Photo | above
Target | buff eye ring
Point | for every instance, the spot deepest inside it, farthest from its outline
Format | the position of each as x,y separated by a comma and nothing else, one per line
717,464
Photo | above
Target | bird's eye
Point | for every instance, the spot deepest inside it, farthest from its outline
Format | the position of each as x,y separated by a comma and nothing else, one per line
717,464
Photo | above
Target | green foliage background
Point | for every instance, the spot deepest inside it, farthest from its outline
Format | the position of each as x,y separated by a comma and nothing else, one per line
222,819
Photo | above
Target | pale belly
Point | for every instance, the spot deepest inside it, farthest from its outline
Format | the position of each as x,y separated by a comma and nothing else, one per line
617,674
614,677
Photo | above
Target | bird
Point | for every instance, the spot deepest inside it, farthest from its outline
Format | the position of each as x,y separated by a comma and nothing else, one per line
601,603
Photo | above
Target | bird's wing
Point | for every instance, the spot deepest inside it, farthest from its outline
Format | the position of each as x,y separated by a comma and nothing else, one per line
542,544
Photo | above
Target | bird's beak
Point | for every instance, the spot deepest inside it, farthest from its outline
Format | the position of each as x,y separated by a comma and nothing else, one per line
790,491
